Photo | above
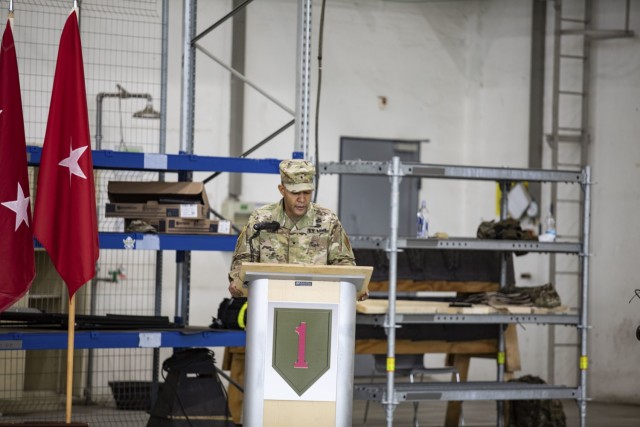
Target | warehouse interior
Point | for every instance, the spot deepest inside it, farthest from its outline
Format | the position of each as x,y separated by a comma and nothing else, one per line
471,83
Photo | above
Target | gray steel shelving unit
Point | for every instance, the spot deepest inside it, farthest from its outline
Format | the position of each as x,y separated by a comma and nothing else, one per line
393,393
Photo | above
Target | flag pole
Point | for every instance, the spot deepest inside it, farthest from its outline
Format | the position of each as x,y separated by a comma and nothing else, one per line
10,16
71,327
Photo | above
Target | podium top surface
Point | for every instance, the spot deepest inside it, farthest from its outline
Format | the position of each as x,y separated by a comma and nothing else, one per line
358,275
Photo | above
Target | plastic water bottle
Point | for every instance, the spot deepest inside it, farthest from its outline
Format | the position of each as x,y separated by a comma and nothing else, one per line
550,225
423,221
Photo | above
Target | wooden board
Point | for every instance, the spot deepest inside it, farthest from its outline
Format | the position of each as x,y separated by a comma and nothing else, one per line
380,306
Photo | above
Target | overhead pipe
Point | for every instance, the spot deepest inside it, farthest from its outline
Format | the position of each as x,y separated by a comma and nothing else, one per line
146,113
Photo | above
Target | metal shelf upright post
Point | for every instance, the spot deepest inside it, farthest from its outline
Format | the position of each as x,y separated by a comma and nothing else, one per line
391,401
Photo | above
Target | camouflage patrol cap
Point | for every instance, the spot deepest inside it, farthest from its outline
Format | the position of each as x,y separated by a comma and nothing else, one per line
297,175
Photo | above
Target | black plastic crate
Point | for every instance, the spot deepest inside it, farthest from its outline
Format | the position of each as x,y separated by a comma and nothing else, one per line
132,395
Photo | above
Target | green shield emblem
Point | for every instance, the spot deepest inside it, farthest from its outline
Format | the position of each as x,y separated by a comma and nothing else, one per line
301,345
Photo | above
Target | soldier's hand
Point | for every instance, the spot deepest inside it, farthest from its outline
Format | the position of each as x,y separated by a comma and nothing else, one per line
234,291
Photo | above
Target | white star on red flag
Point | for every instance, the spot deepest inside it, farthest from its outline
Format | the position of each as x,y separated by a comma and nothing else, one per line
71,162
19,206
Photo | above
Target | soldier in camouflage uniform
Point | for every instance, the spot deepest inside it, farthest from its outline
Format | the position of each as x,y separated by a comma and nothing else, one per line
308,233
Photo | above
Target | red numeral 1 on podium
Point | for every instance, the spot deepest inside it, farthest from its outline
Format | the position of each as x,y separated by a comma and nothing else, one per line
301,330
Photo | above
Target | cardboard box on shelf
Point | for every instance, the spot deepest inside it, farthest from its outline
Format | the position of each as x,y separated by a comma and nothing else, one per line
157,200
153,209
179,225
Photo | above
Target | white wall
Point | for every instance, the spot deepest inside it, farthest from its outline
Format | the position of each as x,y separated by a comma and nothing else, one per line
454,72
615,155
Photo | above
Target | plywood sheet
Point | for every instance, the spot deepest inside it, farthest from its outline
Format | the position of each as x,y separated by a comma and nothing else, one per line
380,306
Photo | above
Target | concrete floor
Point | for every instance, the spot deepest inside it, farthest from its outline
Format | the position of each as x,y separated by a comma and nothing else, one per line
430,414
482,413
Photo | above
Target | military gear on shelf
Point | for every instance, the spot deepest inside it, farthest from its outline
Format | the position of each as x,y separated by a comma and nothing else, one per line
139,226
541,296
536,413
507,229
498,298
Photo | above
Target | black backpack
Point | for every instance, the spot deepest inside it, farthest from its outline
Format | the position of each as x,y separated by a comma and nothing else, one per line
232,314
192,394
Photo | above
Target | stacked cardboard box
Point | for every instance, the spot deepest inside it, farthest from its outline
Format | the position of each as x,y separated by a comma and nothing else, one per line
184,225
166,207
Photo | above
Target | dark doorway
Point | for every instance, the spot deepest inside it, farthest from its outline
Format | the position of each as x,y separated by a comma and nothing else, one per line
365,200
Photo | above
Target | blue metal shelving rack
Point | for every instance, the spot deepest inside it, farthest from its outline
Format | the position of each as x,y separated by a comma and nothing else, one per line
167,242
183,337
108,159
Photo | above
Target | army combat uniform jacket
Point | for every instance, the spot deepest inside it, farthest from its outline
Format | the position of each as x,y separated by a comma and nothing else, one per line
317,238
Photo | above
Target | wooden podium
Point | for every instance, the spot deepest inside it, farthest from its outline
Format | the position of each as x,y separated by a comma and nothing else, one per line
300,343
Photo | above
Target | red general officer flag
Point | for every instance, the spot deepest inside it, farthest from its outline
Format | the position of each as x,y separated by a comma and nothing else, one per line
17,266
65,213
